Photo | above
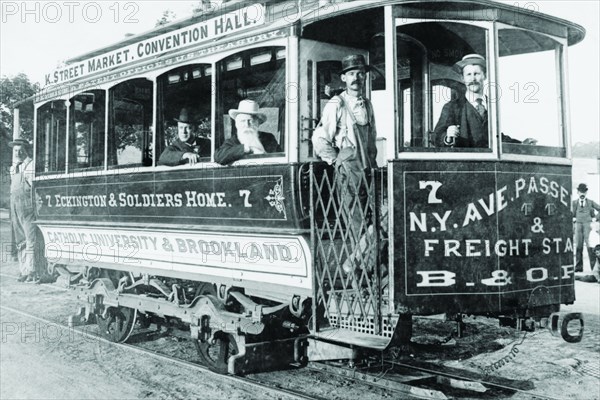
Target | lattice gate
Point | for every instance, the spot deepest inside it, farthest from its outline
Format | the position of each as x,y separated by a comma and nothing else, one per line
347,215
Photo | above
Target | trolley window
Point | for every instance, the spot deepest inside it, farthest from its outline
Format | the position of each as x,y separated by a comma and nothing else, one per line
86,130
51,137
428,108
259,75
185,89
325,42
130,120
529,67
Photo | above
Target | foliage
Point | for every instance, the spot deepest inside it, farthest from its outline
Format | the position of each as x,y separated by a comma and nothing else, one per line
586,150
13,90
204,5
198,8
167,16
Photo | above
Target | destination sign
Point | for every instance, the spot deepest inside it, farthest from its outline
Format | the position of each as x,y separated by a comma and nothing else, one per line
281,260
202,32
505,231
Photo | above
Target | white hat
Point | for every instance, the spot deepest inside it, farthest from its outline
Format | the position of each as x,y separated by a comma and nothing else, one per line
471,59
249,107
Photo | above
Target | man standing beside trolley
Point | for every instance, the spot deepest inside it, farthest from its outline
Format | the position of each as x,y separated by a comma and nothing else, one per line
346,137
584,210
22,214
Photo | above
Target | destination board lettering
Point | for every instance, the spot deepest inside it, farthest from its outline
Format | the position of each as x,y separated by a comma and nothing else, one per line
189,198
202,32
277,255
465,240
485,206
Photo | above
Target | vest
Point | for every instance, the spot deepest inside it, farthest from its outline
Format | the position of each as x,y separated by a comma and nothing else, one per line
583,214
363,133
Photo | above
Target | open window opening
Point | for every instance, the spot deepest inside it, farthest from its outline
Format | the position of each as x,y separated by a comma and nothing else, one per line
130,124
529,69
259,75
432,93
86,130
51,137
185,92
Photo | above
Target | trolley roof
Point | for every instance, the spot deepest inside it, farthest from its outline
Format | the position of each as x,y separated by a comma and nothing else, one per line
576,32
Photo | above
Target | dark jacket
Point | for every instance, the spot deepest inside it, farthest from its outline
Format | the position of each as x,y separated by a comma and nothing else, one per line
171,156
473,128
232,150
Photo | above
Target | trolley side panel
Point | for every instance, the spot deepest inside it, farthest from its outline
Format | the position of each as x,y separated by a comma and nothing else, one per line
237,197
482,237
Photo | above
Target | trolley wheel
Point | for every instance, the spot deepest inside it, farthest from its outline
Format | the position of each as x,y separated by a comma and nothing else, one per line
215,354
118,324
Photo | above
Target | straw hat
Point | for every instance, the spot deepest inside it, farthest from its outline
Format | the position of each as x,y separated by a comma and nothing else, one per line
249,107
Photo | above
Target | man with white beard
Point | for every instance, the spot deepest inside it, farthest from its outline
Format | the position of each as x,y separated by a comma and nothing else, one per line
248,140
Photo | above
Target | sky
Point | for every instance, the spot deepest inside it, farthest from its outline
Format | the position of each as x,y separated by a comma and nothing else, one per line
35,36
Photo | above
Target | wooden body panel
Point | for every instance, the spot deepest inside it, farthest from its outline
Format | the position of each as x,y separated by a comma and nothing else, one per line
481,237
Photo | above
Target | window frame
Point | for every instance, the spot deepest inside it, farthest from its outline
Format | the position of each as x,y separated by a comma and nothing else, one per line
110,128
276,158
290,45
37,138
69,168
560,68
436,153
158,134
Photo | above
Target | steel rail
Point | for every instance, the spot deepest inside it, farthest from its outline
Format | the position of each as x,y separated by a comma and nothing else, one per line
471,378
389,384
162,357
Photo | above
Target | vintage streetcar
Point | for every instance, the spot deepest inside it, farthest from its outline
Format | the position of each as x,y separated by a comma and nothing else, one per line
250,258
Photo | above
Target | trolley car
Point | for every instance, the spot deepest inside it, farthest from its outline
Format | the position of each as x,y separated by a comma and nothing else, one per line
249,257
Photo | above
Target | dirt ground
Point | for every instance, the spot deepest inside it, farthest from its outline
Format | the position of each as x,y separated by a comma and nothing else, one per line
42,361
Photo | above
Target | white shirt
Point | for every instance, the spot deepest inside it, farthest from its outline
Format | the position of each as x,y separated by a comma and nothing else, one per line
330,133
27,172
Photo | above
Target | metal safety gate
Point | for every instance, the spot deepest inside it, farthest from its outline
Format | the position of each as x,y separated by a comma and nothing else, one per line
349,238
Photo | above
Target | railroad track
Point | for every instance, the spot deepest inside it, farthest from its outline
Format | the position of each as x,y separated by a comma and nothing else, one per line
277,392
424,380
409,379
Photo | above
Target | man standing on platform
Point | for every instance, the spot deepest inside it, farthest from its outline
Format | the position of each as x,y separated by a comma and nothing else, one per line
346,138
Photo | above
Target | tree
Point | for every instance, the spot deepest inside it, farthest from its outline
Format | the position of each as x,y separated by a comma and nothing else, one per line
167,16
13,90
198,8
586,150
206,5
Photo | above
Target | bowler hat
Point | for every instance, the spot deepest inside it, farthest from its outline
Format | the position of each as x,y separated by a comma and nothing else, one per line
19,142
249,107
471,59
582,187
184,117
354,61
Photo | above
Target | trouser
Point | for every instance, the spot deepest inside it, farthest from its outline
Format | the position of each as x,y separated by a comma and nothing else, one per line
582,233
25,236
357,206
13,244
